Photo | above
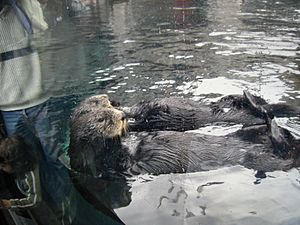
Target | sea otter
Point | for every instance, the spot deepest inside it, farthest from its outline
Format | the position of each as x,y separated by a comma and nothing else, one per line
98,146
181,114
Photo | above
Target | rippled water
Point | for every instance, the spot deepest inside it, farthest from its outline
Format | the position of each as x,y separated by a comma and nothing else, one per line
225,196
205,49
137,49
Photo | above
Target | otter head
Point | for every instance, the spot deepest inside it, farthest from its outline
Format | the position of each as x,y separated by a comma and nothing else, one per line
96,118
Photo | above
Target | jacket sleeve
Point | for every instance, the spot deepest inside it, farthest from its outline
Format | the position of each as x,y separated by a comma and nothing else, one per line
33,194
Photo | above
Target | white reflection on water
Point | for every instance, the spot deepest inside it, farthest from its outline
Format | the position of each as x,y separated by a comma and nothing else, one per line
271,88
163,82
119,68
219,85
267,68
223,196
181,56
129,41
265,79
107,72
219,33
253,43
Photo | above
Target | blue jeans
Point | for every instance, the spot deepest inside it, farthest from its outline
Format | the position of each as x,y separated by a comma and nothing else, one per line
34,125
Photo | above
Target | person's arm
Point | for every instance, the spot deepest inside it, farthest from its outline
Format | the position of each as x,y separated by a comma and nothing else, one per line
33,194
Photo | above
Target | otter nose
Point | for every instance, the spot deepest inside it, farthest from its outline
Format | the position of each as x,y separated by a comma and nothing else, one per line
123,116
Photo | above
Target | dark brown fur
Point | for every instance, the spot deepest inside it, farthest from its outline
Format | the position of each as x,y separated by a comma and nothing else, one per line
180,114
97,149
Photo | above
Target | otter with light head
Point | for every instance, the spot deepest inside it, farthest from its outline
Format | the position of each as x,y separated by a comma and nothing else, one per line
99,146
96,129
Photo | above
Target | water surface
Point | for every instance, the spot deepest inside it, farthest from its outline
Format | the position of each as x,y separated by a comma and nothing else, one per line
204,49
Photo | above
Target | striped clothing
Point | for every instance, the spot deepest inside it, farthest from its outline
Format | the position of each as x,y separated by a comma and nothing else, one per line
20,78
30,187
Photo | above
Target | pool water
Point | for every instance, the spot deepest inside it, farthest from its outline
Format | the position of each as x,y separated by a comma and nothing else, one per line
202,49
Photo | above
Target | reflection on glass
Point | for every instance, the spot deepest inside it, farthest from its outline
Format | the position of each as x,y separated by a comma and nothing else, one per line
133,51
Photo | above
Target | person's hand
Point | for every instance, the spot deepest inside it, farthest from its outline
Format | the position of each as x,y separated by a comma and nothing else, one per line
5,204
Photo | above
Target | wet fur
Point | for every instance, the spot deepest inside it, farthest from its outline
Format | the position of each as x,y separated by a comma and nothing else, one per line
180,114
170,151
94,150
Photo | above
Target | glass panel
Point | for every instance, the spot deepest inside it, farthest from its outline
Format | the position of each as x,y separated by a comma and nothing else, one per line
149,112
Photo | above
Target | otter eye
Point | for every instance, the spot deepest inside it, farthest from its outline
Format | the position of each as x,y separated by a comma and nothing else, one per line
100,120
95,101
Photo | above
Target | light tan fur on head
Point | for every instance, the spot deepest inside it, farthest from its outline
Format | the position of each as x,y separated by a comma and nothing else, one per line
96,117
114,123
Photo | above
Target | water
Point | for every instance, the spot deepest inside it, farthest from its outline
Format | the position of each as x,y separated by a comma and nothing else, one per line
142,49
225,196
194,48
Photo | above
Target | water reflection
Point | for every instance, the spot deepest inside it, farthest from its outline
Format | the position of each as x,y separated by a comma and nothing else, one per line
225,196
208,40
39,185
137,50
204,49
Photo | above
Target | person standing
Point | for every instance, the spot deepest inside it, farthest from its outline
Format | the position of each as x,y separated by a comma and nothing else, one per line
23,102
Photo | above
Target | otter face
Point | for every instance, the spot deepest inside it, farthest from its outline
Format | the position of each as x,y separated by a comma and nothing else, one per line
110,122
96,117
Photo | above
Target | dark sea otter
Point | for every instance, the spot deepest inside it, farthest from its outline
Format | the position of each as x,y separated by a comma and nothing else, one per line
98,145
181,114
